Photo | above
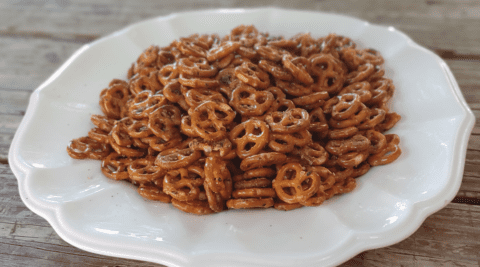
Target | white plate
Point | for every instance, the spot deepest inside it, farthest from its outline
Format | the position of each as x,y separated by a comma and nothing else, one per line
107,217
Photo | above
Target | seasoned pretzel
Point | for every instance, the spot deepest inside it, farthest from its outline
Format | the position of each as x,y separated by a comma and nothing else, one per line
293,88
218,177
173,92
262,160
86,147
114,166
249,102
250,203
143,170
252,75
354,144
298,66
184,183
285,143
198,67
311,101
348,104
196,206
195,97
209,120
387,155
293,184
153,192
289,121
250,137
175,158
275,69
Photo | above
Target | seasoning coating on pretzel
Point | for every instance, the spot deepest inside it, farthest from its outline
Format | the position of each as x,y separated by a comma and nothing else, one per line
245,121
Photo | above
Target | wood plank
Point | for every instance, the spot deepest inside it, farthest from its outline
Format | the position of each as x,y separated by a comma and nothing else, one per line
433,24
27,62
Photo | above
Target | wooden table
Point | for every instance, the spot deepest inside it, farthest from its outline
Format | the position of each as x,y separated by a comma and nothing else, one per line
36,37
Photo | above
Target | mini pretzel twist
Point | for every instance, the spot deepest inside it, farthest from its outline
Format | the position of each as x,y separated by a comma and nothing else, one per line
250,137
293,184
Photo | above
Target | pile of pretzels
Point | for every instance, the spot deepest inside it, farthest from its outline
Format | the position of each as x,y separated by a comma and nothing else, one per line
246,120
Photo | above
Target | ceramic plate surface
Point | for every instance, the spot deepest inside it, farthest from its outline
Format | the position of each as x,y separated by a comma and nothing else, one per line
108,217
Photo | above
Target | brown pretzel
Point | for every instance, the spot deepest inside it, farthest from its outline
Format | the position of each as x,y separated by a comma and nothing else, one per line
387,155
173,92
218,177
139,129
195,97
153,192
184,183
186,126
250,203
86,147
176,158
314,154
285,143
311,101
255,173
318,122
98,135
222,50
223,146
191,47
209,120
250,137
354,144
144,103
342,133
196,206
281,205
347,106
289,121
299,67
148,82
375,116
293,88
252,75
249,102
361,74
353,120
102,122
362,89
360,170
143,170
254,193
352,159
168,73
275,69
252,183
198,67
293,184
197,82
262,160
114,166
390,120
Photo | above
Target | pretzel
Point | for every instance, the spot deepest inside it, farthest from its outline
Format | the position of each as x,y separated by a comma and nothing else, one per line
252,75
250,137
153,193
353,144
143,170
275,69
195,97
86,147
387,155
262,160
209,120
290,121
114,166
183,184
293,184
196,206
298,66
198,67
176,158
249,102
246,120
250,203
217,177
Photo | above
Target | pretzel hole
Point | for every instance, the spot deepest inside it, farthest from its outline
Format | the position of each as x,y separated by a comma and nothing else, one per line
330,81
244,94
241,134
281,141
282,108
290,174
307,183
260,99
249,146
220,114
289,191
277,118
210,129
175,179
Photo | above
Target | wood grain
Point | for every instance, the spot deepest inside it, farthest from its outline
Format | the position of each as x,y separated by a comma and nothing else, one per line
36,37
